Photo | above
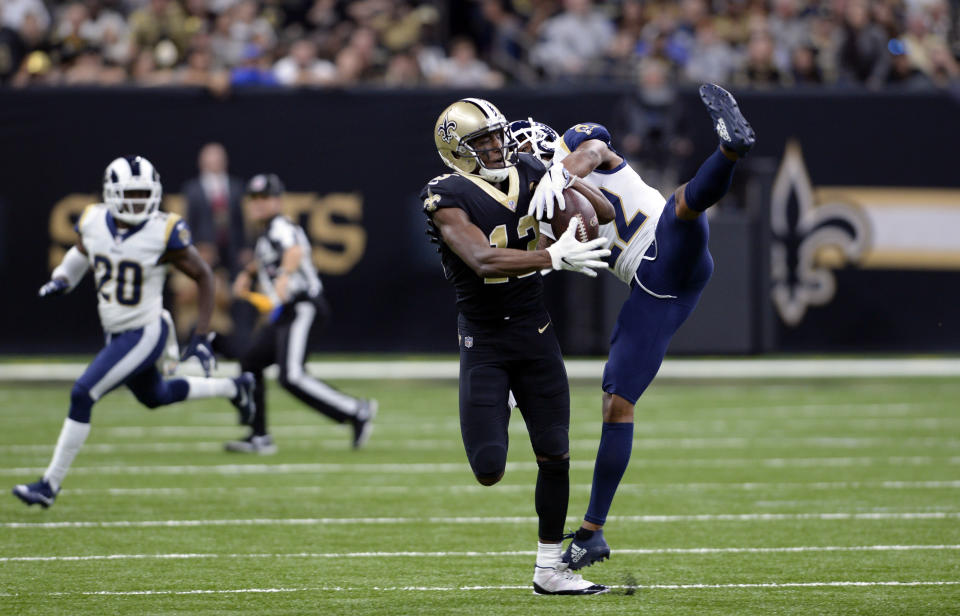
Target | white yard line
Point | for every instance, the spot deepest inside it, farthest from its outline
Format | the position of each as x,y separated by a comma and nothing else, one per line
527,587
508,553
460,489
460,467
708,517
746,368
693,443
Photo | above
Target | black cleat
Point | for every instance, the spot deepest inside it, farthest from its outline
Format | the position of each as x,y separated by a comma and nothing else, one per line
580,554
734,131
244,401
37,493
363,423
259,444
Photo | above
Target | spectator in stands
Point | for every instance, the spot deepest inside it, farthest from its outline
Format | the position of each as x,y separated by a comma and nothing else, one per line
760,70
157,21
573,40
254,69
16,43
804,69
507,42
464,70
302,67
403,71
789,31
712,60
862,55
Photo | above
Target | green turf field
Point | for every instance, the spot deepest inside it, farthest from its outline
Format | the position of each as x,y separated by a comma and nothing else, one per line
803,497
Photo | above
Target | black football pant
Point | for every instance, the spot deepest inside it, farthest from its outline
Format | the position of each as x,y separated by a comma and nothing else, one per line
284,343
522,355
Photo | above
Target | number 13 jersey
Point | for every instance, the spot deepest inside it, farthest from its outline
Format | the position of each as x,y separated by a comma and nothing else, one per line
126,264
637,205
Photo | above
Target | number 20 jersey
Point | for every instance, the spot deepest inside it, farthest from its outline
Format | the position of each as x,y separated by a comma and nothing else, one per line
126,264
503,219
637,205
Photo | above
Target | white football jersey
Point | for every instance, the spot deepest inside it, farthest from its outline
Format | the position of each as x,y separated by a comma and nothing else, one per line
126,268
637,205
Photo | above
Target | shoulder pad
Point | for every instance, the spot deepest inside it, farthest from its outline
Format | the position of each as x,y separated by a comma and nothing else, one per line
579,133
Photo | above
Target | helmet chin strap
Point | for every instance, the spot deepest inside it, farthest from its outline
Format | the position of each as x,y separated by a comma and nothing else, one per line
494,175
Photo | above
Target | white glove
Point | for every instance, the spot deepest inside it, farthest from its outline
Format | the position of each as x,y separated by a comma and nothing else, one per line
582,257
550,188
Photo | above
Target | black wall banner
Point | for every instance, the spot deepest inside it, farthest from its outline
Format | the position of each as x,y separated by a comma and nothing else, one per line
849,238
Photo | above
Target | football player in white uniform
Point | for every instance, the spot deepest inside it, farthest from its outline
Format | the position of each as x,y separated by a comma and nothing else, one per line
129,245
658,248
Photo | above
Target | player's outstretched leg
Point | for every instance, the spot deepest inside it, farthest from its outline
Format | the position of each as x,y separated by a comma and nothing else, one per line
712,180
734,131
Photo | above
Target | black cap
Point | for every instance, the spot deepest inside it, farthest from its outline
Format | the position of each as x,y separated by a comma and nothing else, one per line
265,185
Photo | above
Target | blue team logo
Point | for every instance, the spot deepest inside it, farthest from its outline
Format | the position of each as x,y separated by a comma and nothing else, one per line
446,128
810,240
586,129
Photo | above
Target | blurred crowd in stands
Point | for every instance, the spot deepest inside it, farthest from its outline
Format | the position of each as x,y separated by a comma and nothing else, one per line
224,44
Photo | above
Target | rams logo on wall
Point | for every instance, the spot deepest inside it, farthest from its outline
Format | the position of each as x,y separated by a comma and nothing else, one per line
817,230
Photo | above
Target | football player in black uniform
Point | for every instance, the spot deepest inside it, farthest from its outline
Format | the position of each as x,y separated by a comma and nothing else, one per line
284,271
488,246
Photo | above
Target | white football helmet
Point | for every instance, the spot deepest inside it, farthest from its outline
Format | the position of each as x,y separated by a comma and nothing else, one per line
131,189
460,125
541,138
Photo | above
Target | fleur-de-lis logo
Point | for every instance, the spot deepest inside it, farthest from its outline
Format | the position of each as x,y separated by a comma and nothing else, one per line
805,234
446,128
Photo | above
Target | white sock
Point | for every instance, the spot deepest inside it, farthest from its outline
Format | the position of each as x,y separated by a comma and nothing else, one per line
548,554
210,388
72,436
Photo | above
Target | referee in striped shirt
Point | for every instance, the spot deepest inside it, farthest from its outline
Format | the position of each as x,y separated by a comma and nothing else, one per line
284,273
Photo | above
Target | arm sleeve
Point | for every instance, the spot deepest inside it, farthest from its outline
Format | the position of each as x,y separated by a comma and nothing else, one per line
583,132
73,267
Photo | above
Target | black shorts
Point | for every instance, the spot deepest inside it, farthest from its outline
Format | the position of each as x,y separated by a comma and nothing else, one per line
522,355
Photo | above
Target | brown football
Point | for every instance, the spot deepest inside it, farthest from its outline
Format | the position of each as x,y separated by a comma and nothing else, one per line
577,205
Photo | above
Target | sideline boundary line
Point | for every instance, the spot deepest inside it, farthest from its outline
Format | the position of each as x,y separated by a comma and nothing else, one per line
683,369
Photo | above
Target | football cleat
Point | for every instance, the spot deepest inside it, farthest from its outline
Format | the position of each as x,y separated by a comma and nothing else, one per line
583,553
258,444
560,580
36,493
244,401
363,423
734,131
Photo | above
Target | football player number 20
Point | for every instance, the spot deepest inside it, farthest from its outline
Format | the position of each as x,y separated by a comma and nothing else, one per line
526,227
129,279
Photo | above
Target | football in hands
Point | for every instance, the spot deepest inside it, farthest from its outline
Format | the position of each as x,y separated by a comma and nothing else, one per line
576,205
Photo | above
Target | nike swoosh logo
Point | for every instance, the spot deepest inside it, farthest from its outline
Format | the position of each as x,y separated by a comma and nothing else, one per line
544,328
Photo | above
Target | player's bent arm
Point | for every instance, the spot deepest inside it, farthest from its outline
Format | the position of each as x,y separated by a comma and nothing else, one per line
289,264
471,245
589,155
73,267
189,261
601,205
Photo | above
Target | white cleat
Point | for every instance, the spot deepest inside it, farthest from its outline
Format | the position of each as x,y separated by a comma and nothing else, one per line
560,580
261,445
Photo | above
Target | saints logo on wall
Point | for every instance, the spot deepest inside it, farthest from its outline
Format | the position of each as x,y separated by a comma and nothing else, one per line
810,239
820,229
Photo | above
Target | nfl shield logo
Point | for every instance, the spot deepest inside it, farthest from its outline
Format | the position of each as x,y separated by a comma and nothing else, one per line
468,341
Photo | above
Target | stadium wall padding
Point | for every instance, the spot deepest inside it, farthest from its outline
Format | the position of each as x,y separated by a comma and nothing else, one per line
355,161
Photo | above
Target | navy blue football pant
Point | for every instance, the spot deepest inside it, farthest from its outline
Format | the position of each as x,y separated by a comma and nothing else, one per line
663,293
129,358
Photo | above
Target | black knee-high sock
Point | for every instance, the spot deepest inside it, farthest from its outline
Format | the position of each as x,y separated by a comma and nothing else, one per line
553,492
260,396
711,182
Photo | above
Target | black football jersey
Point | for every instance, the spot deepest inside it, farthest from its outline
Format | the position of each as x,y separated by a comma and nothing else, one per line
503,218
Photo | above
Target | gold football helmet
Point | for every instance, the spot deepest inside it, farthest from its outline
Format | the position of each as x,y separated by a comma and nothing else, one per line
462,123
